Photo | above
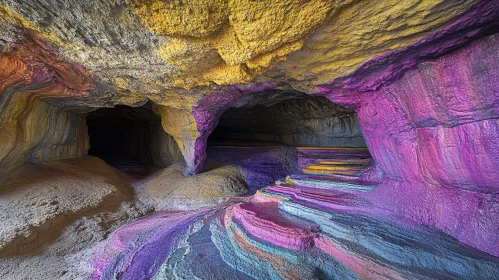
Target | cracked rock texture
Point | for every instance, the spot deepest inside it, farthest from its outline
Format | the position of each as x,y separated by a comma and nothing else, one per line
190,43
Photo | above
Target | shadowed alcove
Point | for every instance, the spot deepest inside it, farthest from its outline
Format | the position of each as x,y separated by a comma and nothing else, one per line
127,137
265,134
303,121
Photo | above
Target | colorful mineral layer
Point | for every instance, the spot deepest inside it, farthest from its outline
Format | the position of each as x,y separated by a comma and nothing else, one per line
275,139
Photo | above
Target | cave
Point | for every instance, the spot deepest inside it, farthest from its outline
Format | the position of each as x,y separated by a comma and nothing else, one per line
247,139
268,135
303,121
128,138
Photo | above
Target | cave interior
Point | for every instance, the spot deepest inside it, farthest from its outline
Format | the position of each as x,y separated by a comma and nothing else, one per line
249,139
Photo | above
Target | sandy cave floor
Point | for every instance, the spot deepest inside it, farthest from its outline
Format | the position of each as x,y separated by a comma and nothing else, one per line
64,209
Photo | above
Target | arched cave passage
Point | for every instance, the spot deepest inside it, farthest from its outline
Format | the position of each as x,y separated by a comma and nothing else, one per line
303,121
274,137
130,138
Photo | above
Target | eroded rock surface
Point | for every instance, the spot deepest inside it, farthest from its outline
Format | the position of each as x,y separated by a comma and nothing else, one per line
38,201
414,81
125,57
318,224
170,190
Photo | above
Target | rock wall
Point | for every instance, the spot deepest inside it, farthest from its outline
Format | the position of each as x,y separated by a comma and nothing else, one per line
433,135
33,127
43,103
203,64
419,74
165,151
149,47
35,131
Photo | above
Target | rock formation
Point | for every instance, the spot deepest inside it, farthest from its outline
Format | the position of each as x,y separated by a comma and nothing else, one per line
318,139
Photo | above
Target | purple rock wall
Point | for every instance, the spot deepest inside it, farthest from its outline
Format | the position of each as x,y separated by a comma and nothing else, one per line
434,135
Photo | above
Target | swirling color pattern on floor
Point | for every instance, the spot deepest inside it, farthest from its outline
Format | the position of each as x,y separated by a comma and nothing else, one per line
315,224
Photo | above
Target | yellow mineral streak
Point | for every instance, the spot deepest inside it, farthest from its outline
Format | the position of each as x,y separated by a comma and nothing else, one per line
196,18
343,162
225,42
334,168
228,42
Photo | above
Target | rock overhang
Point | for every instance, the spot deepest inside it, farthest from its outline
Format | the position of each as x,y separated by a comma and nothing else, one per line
167,50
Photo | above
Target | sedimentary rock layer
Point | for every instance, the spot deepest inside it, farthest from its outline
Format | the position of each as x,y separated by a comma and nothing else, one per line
314,225
133,58
34,131
420,77
437,149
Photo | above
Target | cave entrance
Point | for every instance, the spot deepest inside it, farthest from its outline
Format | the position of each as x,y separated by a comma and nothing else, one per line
304,121
271,137
130,138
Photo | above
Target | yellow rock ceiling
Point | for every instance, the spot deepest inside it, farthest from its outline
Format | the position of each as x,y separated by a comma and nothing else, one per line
223,42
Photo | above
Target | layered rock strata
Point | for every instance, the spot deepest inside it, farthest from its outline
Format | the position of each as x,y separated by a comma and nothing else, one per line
432,134
416,78
317,224
133,58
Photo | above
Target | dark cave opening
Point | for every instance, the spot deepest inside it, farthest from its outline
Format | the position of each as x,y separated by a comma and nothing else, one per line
130,138
271,135
302,121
